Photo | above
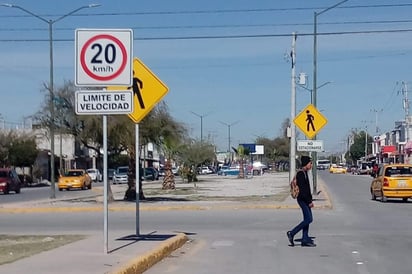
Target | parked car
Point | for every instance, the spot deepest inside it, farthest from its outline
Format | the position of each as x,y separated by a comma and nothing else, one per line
75,178
150,173
9,181
95,174
120,176
110,173
162,172
225,170
205,170
392,181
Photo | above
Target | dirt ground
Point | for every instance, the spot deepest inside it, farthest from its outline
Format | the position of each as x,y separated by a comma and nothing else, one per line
15,247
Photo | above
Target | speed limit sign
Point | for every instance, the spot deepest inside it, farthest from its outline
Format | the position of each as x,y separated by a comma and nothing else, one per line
104,57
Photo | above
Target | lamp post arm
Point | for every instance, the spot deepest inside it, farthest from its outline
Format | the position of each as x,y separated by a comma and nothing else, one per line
74,11
332,7
44,19
26,11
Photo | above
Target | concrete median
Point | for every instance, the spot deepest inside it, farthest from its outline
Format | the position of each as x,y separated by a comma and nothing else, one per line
142,263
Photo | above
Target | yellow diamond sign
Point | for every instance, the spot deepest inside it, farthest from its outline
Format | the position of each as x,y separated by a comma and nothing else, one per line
310,121
147,89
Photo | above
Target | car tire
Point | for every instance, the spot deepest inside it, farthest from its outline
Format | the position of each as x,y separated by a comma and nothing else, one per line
6,190
90,186
17,191
60,189
405,200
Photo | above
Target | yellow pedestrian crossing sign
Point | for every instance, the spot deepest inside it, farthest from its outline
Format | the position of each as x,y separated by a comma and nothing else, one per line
310,121
148,90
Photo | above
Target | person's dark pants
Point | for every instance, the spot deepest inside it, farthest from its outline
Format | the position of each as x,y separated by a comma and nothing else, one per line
304,225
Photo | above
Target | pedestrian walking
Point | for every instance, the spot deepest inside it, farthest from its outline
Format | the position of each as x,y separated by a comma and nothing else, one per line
305,202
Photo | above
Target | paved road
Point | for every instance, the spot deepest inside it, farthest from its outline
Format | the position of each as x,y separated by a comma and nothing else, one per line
237,236
356,236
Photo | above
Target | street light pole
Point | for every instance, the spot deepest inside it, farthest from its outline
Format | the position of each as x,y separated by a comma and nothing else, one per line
50,23
228,129
314,91
201,124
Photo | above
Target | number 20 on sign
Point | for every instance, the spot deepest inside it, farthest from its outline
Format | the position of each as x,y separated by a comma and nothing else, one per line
103,57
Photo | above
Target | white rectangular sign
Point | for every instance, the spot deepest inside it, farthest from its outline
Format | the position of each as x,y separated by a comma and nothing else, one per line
103,57
310,145
90,102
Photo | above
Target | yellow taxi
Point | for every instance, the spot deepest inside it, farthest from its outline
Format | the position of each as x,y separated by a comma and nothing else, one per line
392,181
75,178
334,168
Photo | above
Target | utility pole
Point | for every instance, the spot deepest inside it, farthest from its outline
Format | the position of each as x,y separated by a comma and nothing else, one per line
366,137
292,156
201,116
376,119
314,91
406,109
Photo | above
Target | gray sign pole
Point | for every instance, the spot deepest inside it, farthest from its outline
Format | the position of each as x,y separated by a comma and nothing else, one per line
105,186
137,180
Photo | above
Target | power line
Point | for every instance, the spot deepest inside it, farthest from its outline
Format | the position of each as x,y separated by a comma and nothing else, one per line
228,36
231,25
219,11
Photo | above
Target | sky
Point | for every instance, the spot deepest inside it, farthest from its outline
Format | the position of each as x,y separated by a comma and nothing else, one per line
226,63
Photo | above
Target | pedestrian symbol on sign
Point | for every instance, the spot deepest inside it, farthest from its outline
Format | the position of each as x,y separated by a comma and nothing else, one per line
136,87
309,119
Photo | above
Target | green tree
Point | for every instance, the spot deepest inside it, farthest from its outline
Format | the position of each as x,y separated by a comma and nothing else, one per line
157,126
357,149
23,151
6,140
194,154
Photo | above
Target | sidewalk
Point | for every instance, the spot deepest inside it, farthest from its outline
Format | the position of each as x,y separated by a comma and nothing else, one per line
129,254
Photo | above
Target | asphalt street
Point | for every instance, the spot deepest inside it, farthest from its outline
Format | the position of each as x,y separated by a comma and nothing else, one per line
225,226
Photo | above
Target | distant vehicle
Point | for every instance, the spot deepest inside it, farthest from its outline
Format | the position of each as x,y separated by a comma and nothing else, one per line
323,164
364,168
337,169
150,173
162,171
110,173
175,171
205,170
225,170
392,181
95,174
75,178
9,181
120,176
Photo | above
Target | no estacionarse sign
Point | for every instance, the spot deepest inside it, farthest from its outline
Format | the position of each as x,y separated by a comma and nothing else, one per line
104,102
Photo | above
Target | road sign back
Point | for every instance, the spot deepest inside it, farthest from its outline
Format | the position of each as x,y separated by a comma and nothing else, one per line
310,121
148,90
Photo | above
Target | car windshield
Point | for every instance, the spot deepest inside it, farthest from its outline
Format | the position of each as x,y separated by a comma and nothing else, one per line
398,171
74,173
122,170
91,171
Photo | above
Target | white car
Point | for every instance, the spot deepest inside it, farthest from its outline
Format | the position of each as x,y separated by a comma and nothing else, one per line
95,174
120,175
206,170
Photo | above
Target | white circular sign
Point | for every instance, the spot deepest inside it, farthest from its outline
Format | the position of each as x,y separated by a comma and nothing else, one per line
103,57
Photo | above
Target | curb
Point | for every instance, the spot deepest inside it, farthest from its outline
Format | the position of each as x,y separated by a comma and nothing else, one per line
150,258
77,209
